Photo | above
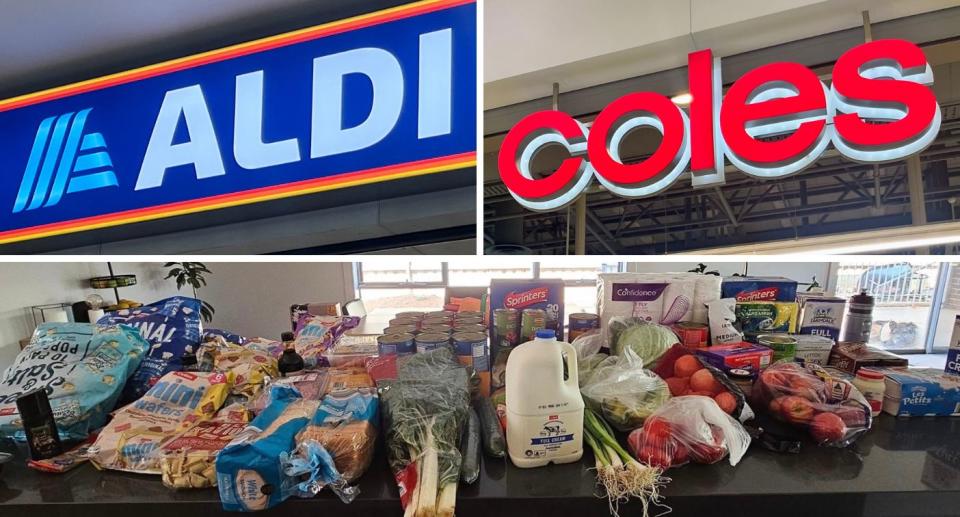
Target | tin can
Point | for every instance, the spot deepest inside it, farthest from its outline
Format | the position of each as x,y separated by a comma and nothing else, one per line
396,344
532,320
743,379
397,322
692,335
414,315
426,322
472,350
468,314
457,322
431,341
581,323
440,314
506,323
401,329
783,346
437,329
473,327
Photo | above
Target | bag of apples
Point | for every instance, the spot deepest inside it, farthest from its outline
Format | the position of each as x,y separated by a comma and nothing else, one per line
831,409
685,374
685,429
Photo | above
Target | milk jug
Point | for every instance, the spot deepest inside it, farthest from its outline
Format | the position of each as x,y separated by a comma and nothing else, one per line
544,411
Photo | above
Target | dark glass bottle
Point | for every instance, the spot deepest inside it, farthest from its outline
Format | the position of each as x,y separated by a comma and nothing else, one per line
38,423
189,362
290,361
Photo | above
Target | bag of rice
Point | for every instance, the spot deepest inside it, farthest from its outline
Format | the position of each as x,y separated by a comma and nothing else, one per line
189,460
131,441
83,365
171,326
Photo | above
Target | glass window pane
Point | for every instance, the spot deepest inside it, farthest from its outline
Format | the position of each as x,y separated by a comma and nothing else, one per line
578,270
579,299
474,273
949,310
389,301
420,271
903,295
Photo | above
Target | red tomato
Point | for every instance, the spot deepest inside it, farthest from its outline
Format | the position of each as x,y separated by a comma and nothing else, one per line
703,380
685,366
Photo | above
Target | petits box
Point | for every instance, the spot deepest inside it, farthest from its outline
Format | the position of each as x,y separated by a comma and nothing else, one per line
953,353
759,289
530,294
921,392
850,357
744,356
822,316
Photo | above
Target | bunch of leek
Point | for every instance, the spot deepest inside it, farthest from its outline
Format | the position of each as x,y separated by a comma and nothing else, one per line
621,476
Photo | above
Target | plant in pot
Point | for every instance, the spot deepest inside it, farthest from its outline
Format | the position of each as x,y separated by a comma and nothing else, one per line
192,274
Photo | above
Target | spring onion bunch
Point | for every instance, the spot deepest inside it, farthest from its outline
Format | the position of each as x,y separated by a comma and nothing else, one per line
620,474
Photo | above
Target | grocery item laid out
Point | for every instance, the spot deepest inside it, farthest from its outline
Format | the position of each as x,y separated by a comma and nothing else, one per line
83,367
189,460
623,392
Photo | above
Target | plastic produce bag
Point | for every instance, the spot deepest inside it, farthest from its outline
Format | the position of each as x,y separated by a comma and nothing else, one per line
624,392
829,408
255,471
589,355
648,340
681,368
171,326
83,365
688,429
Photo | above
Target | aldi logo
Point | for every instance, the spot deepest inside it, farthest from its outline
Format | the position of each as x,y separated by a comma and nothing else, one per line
80,160
380,97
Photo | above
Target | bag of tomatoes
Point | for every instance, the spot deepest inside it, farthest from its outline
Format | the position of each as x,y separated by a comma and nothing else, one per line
689,428
831,409
686,374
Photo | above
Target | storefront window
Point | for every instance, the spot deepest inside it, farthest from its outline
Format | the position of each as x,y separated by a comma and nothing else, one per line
469,273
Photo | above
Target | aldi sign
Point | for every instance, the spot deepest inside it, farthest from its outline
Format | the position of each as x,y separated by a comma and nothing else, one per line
374,98
774,121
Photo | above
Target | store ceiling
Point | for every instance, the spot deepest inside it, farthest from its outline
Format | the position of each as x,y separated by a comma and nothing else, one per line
52,42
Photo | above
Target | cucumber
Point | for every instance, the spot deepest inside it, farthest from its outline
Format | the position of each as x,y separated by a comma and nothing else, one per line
493,442
470,449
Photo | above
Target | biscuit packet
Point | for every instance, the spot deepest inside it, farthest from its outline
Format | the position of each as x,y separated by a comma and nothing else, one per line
189,460
132,440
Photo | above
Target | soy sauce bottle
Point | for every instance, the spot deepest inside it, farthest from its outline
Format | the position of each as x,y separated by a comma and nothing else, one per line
38,423
290,361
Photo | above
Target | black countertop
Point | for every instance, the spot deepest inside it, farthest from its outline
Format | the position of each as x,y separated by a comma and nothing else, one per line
901,467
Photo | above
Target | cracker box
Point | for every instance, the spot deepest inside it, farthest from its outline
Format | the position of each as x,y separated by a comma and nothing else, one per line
850,357
759,289
744,356
822,316
953,353
921,392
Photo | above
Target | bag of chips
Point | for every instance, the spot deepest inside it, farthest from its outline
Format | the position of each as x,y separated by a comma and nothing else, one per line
189,460
132,440
83,365
171,326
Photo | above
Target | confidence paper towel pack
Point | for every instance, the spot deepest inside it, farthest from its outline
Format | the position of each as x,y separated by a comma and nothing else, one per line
664,298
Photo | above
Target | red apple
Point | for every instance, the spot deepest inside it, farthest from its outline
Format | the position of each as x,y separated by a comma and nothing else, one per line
853,416
827,428
774,407
796,409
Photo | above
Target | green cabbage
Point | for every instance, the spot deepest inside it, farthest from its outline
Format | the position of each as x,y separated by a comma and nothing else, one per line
648,340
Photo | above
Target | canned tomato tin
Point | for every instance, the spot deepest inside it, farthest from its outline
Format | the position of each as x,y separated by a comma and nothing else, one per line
440,314
506,324
396,344
473,327
471,349
436,329
414,315
468,314
401,329
692,335
431,341
581,323
397,322
783,346
426,322
532,320
467,321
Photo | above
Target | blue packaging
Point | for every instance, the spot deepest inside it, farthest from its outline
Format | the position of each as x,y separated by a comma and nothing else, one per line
251,470
921,392
759,289
84,365
171,326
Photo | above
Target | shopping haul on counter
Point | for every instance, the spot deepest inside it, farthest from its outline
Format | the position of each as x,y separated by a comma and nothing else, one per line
673,369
